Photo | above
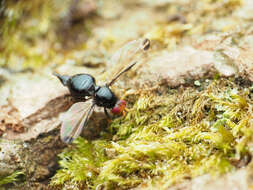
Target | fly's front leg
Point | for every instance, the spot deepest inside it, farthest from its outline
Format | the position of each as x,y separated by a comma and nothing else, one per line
107,114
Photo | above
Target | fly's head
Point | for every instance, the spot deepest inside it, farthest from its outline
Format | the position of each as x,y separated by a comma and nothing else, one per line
119,108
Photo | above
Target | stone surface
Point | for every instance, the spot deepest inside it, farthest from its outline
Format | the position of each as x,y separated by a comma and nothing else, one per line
237,180
173,68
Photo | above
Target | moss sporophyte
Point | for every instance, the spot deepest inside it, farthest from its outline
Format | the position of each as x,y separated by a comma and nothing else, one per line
165,138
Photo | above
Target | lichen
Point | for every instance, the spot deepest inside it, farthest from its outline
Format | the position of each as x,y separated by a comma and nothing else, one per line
179,134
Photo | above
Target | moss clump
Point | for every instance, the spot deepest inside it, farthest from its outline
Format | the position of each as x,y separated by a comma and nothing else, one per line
80,165
10,178
31,34
180,134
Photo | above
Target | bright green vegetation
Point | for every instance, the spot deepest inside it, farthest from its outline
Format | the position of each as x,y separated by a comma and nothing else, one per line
10,178
181,134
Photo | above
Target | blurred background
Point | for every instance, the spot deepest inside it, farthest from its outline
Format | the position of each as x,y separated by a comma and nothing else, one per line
39,33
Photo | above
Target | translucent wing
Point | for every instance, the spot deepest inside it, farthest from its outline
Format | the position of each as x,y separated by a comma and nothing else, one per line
128,51
75,119
125,56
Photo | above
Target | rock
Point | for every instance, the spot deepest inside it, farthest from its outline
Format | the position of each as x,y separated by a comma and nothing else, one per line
233,53
32,104
245,11
174,68
81,9
9,157
238,180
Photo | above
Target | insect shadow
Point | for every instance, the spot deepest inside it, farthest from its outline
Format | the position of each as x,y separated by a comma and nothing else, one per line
83,88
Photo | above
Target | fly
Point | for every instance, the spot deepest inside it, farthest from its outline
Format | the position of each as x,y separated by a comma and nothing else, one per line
83,87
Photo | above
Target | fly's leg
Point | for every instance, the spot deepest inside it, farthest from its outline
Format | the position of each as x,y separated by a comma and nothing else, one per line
107,114
109,117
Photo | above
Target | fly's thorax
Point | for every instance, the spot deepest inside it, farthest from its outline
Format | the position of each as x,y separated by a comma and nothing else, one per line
81,85
104,97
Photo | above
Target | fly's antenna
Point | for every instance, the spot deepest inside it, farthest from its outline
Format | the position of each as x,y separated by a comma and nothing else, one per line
63,78
118,75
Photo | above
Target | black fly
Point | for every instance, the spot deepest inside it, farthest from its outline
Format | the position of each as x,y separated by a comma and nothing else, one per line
83,86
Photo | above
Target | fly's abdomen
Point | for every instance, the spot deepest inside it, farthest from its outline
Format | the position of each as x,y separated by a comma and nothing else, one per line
82,85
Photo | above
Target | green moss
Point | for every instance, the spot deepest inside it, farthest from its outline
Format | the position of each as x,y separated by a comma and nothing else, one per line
165,138
31,33
10,178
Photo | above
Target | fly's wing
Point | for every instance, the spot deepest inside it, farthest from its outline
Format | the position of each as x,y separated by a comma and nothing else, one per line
75,119
129,51
127,55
